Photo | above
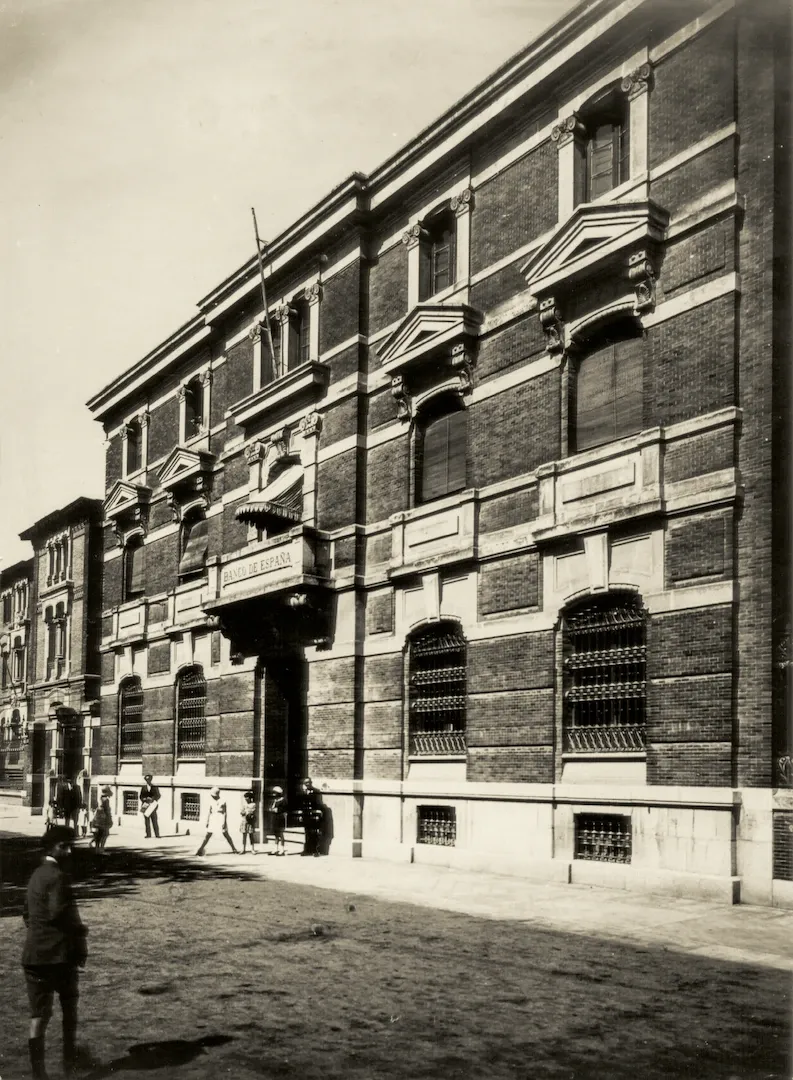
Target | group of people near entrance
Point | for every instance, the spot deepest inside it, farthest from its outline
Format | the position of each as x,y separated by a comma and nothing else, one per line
311,813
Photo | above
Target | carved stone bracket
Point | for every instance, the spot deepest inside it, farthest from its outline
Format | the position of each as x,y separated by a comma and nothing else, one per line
462,363
463,202
279,444
566,130
205,377
254,452
255,332
641,274
638,81
182,393
283,313
313,293
412,235
311,424
552,325
400,396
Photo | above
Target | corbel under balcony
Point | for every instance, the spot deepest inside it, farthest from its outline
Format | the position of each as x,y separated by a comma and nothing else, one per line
301,385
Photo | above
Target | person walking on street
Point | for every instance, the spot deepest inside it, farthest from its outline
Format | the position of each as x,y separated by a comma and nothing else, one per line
102,821
216,821
54,949
276,819
149,801
248,820
313,815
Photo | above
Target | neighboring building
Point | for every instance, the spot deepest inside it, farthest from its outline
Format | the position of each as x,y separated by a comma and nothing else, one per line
493,541
15,592
63,648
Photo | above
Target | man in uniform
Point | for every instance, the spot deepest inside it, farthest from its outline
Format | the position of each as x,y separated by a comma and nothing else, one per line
150,796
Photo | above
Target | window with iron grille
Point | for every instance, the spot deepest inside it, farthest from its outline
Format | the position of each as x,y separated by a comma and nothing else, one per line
605,670
130,719
603,838
437,255
436,689
191,699
191,806
436,825
130,803
783,845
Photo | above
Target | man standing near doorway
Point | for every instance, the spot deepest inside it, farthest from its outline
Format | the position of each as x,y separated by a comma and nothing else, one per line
54,949
149,801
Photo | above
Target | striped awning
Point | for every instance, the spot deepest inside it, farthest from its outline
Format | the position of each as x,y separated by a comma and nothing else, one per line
281,501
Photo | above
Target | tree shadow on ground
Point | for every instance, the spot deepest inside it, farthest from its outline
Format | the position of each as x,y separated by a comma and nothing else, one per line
118,872
167,1054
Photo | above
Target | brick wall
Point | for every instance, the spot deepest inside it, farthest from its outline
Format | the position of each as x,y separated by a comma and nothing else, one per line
697,259
514,508
699,547
517,205
517,662
380,613
388,288
709,452
508,584
237,379
382,409
689,181
163,429
514,432
339,422
498,287
336,500
162,563
159,658
387,479
509,347
235,533
113,461
338,315
695,82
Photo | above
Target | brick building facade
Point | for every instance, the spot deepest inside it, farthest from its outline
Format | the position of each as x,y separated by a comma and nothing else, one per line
15,594
485,527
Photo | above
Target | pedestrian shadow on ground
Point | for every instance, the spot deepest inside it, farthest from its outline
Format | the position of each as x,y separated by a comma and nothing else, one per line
168,1054
119,872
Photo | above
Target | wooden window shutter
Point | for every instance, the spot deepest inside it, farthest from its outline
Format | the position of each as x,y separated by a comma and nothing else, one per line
628,386
195,551
443,456
602,156
594,399
134,582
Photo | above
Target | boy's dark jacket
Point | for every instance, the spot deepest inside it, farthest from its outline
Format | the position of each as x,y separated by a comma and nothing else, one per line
55,933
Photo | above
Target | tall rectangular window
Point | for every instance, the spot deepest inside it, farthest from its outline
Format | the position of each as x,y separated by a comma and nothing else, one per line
437,256
130,719
191,698
441,448
609,393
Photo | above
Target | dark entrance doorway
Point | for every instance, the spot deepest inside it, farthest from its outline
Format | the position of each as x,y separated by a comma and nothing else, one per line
282,701
71,724
38,766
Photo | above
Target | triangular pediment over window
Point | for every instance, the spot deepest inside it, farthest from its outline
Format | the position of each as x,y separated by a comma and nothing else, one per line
124,497
593,235
182,464
429,329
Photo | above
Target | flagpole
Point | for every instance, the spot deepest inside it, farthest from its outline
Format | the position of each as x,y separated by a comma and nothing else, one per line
264,294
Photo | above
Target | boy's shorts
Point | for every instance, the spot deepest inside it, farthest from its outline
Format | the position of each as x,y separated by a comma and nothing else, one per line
43,981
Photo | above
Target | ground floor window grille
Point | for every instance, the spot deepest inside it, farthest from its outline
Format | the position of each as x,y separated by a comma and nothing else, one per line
437,825
191,806
437,698
603,838
605,669
783,845
130,712
191,725
131,804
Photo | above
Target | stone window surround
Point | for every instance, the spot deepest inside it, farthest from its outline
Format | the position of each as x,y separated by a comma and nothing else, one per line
461,204
143,418
634,79
59,556
281,313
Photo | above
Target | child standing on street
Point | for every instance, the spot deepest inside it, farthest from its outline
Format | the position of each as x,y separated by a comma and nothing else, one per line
276,819
248,820
102,821
216,820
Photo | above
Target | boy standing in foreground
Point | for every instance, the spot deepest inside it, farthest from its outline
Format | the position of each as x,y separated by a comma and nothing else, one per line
54,949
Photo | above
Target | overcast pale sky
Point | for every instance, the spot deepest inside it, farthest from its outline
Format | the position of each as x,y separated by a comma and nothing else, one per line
135,137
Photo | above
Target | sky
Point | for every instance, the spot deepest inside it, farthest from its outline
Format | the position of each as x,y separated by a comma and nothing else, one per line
135,138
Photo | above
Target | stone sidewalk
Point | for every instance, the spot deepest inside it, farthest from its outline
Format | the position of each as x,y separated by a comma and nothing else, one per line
741,933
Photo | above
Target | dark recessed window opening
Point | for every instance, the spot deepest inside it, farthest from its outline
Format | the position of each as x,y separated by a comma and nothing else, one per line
437,255
607,392
134,446
603,838
130,717
190,806
191,698
605,673
194,407
603,148
133,569
436,825
441,451
195,545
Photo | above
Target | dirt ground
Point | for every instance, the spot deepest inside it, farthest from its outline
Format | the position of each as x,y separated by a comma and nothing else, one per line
196,971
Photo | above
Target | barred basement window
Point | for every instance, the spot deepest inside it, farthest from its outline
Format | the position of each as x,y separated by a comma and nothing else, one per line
437,699
191,806
130,719
437,825
130,803
191,697
783,845
605,668
603,838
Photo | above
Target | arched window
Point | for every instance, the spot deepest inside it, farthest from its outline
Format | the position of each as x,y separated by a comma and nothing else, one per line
195,545
191,699
133,568
607,393
134,446
605,672
603,146
437,254
194,407
441,449
436,689
130,719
